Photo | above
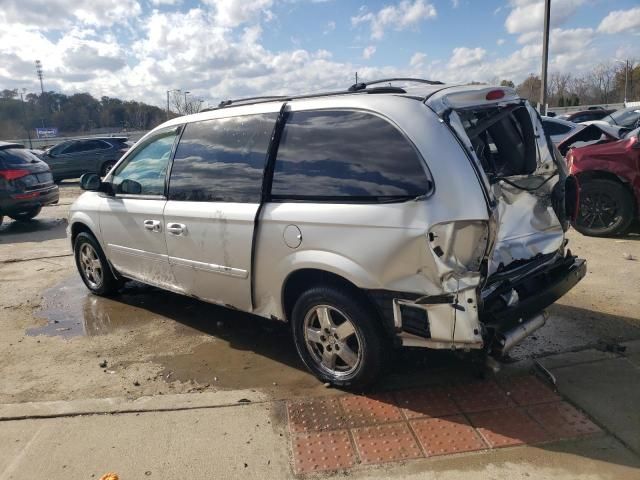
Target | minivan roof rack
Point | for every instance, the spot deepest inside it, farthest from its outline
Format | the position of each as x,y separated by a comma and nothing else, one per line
356,88
362,85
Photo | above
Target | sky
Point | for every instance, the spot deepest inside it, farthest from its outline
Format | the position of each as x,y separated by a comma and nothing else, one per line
220,49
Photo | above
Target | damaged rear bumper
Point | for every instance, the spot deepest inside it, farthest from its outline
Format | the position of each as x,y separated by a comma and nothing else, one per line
510,307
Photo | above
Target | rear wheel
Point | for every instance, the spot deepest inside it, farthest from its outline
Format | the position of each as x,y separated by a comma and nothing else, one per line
606,208
93,266
106,167
337,337
26,215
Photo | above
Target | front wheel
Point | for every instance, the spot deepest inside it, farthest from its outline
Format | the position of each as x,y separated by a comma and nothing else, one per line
337,337
606,208
26,215
93,267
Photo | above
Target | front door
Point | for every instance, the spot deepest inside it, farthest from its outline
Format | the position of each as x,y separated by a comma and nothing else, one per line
131,221
214,195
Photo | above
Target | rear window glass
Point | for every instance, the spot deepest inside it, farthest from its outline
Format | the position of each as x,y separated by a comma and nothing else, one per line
353,155
12,157
503,139
555,128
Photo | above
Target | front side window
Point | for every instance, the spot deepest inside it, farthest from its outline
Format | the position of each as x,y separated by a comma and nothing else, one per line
222,160
147,165
346,155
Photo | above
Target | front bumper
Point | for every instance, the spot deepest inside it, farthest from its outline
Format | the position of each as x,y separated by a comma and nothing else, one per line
37,198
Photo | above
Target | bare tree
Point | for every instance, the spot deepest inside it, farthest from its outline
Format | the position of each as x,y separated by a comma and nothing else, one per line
184,105
602,77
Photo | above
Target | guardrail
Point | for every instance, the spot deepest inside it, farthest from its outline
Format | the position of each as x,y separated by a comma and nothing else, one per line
133,136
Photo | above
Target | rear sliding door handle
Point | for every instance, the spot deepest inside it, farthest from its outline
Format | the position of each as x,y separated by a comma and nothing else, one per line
153,225
176,228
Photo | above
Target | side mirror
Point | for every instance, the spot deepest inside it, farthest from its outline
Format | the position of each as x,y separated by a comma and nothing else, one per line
90,182
130,187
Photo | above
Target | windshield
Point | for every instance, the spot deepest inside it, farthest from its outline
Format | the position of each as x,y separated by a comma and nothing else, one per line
17,156
621,117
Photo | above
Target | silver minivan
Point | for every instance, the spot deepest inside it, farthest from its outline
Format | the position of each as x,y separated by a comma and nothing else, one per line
402,212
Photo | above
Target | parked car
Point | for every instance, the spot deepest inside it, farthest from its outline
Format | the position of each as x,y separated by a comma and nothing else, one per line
586,115
626,118
26,183
608,171
558,129
72,158
422,215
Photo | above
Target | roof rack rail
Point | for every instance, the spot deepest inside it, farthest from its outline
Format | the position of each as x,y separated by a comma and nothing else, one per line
361,86
226,103
357,88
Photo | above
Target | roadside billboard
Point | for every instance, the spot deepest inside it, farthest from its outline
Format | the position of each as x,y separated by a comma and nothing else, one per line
48,132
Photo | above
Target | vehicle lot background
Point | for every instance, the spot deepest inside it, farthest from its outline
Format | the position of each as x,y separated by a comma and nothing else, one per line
56,335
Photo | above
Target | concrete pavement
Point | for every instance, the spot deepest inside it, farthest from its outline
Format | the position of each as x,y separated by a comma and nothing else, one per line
241,434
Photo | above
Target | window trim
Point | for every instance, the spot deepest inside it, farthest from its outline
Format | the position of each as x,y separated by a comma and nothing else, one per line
372,200
178,129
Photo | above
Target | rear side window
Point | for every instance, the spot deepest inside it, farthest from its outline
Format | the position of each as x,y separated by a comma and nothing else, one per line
13,157
503,139
351,155
554,128
222,160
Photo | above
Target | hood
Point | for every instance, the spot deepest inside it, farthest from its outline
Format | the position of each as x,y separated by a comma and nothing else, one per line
594,132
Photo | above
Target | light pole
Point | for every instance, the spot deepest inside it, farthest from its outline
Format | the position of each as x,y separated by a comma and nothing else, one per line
168,92
545,57
626,77
185,102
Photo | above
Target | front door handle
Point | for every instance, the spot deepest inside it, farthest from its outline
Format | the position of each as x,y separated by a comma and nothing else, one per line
176,228
153,225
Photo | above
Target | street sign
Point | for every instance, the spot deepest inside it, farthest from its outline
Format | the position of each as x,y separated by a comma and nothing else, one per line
48,132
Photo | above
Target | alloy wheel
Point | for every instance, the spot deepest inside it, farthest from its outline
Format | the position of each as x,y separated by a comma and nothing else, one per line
91,266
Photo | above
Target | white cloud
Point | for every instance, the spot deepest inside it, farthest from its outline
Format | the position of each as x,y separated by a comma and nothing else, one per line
158,3
418,60
463,56
56,14
368,52
231,13
455,3
500,41
528,15
620,21
330,27
403,15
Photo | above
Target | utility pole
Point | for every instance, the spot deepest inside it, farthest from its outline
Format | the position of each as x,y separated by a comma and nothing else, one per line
545,57
186,110
626,79
24,116
39,73
356,78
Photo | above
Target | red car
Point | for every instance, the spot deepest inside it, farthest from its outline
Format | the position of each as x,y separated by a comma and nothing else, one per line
608,171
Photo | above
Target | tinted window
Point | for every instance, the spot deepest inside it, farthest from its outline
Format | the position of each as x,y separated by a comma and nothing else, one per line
346,154
148,164
222,160
553,128
12,157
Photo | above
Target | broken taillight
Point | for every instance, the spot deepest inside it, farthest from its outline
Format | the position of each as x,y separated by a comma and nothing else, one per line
9,175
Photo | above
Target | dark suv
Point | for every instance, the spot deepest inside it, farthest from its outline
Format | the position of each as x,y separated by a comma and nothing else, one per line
73,158
26,183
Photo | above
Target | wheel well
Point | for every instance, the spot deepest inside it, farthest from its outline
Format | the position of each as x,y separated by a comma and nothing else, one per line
78,228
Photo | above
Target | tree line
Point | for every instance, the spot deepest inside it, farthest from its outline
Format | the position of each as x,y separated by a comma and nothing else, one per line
75,114
604,84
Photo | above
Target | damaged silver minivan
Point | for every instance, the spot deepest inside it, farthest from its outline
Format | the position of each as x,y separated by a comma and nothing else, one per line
402,212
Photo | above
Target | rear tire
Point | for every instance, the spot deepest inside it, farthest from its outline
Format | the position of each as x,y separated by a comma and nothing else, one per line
93,266
26,215
606,208
337,337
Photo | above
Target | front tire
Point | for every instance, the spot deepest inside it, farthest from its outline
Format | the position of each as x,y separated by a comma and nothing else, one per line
93,266
606,208
26,215
337,337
